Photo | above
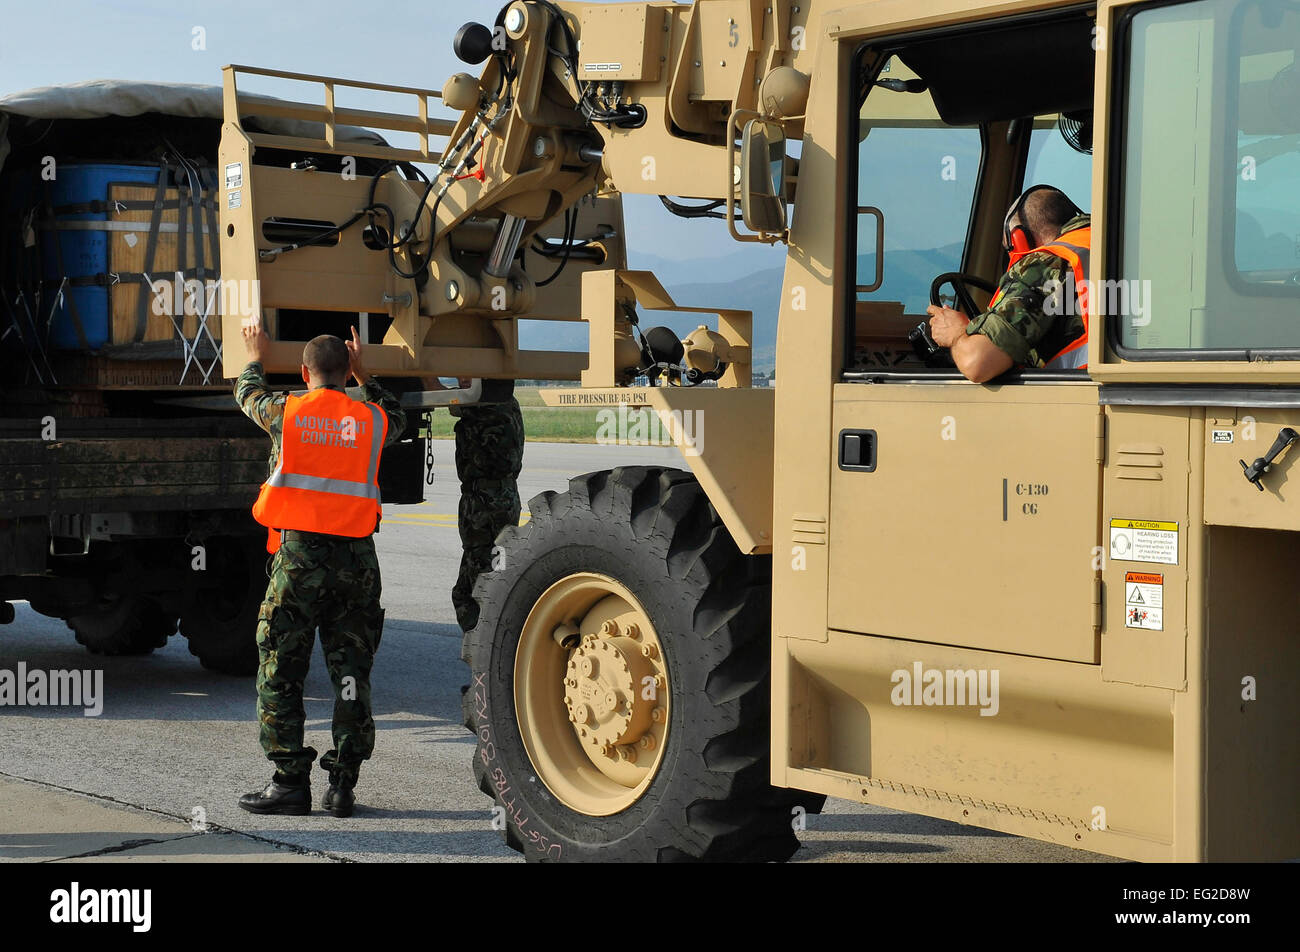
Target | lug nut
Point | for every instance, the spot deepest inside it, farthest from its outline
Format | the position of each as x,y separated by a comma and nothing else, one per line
647,742
657,715
633,631
627,754
609,629
649,651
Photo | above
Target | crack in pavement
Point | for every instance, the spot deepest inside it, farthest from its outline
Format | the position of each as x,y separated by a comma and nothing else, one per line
123,847
210,827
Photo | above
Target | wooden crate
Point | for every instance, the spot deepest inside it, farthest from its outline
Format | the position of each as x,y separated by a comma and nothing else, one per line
127,255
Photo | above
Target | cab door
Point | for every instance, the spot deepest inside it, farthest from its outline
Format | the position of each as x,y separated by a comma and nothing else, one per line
960,514
968,515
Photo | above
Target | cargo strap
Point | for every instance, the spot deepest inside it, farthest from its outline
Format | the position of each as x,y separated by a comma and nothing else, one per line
51,224
107,279
151,246
117,206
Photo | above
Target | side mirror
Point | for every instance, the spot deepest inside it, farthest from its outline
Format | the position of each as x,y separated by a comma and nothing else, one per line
762,176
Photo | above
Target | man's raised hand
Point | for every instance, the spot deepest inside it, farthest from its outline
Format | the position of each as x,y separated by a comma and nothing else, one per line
354,358
255,340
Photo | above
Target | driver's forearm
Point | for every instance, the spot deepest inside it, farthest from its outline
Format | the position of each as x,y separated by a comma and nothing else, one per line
979,359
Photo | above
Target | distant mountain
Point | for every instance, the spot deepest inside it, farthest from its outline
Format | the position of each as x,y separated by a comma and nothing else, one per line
723,282
1267,239
747,260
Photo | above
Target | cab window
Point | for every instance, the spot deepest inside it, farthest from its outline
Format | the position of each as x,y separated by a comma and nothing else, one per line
922,175
1207,157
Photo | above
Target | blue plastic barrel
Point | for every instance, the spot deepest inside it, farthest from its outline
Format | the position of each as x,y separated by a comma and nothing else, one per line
85,253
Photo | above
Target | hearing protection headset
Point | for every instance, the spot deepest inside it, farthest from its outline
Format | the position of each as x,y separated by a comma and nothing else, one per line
1016,242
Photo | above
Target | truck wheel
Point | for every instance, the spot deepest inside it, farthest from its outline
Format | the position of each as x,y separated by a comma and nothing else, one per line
123,625
221,625
620,680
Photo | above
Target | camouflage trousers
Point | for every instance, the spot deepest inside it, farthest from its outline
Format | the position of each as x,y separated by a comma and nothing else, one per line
489,455
331,584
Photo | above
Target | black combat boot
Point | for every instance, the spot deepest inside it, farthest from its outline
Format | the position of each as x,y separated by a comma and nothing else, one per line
286,796
339,799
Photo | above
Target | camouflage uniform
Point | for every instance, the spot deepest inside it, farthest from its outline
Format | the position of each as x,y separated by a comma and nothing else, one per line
317,581
1018,323
489,455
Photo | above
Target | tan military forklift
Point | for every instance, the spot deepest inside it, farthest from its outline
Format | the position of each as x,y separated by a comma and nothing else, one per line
1060,605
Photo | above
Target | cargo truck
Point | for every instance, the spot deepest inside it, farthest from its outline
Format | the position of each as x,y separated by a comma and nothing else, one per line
126,471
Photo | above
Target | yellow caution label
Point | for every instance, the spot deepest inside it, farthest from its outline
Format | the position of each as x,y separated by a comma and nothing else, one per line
1144,540
1143,524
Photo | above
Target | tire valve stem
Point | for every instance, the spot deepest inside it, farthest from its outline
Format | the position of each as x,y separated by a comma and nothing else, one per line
567,637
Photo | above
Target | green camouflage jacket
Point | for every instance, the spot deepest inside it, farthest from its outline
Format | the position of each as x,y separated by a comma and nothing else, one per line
1017,323
265,406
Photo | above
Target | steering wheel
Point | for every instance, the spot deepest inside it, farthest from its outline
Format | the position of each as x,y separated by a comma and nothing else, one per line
961,285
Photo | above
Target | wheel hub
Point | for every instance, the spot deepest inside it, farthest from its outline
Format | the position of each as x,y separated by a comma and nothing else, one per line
591,694
603,692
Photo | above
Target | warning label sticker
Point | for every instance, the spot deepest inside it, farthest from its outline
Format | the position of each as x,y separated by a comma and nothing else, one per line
1144,601
1142,540
234,199
234,175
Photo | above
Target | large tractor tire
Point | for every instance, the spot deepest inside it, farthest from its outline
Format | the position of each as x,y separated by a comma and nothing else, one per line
123,625
620,680
221,625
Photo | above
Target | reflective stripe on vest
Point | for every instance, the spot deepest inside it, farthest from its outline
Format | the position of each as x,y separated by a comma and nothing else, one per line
1076,252
323,483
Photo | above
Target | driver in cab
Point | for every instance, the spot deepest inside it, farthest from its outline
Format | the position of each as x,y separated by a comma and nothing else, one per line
1031,321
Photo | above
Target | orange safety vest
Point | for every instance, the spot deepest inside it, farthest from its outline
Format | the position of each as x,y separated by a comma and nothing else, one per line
1074,247
327,477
